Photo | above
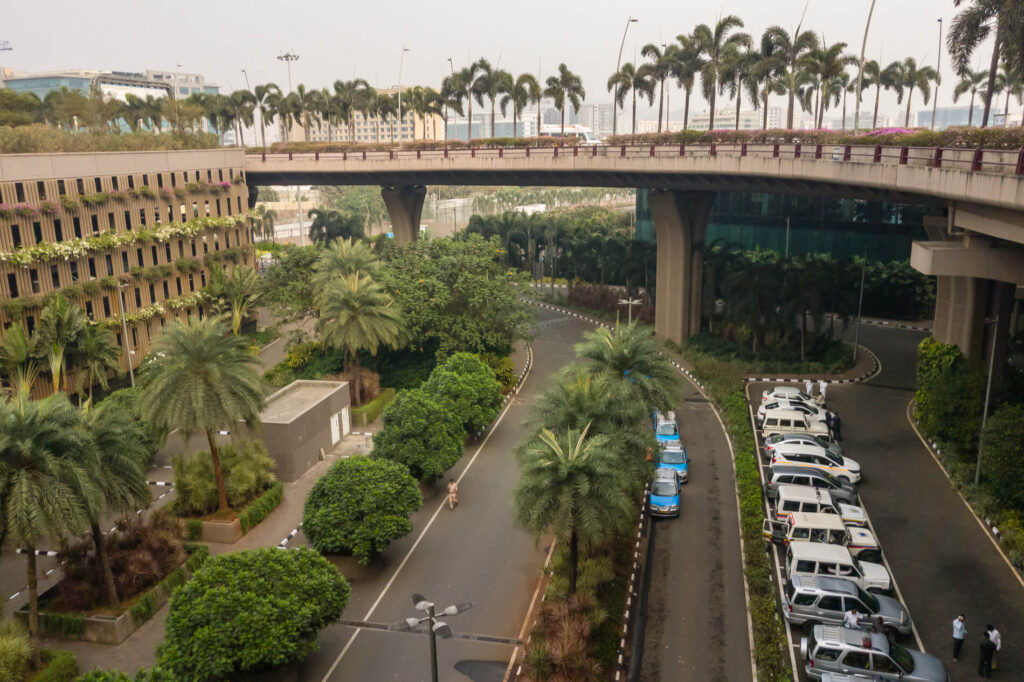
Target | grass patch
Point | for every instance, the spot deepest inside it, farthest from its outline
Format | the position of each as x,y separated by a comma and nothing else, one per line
364,415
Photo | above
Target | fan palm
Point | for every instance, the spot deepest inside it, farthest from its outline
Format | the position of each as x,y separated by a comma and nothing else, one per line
715,45
304,104
16,352
571,485
764,79
236,293
908,76
264,96
970,81
243,104
525,90
631,355
200,378
451,95
631,79
565,86
792,51
356,314
38,443
60,325
828,63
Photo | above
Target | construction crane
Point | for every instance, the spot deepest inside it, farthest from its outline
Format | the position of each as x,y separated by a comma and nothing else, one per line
5,46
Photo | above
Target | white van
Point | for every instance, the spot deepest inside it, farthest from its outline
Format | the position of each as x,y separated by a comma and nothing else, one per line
812,558
801,498
791,421
823,528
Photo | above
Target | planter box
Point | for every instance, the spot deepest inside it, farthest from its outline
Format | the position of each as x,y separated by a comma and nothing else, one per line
226,532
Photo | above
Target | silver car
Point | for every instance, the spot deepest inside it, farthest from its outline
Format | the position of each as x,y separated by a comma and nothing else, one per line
803,439
782,474
833,649
818,599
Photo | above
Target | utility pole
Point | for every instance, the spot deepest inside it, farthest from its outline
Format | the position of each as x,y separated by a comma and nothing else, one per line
124,327
938,71
618,65
988,392
288,58
401,59
860,303
860,71
787,236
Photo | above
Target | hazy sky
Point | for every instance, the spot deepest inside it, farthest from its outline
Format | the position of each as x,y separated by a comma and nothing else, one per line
364,37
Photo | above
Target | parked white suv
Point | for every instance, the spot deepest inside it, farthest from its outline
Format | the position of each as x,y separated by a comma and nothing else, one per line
812,558
811,410
817,458
787,393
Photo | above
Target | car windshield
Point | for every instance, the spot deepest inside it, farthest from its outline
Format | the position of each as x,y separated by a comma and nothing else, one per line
867,600
667,429
800,395
663,489
823,442
772,440
902,657
673,457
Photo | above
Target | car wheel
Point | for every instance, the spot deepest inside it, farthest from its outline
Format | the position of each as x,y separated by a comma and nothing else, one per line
808,627
870,556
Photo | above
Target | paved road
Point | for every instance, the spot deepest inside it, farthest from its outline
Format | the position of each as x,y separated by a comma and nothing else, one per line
474,554
697,624
941,559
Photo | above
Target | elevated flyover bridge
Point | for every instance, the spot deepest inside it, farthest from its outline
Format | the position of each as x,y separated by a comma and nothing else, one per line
974,242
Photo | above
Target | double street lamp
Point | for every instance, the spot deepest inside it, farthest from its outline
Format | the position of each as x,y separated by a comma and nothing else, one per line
630,302
436,628
618,65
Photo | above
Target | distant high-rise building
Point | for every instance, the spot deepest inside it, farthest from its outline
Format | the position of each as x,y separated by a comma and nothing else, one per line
948,117
365,129
597,117
750,119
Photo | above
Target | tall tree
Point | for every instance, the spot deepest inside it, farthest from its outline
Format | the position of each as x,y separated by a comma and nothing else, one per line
765,77
236,294
827,63
61,323
356,314
198,377
686,64
909,77
571,486
351,95
1003,21
970,81
465,79
631,79
740,63
451,95
631,355
95,358
566,86
491,83
660,68
243,105
304,104
714,46
879,78
265,96
525,90
792,50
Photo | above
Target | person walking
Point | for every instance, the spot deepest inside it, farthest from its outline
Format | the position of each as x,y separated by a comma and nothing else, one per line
830,423
837,427
997,639
453,494
809,388
959,632
987,654
822,386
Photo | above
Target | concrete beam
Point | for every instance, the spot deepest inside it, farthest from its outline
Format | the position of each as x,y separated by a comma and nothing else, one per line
405,207
960,259
680,223
989,220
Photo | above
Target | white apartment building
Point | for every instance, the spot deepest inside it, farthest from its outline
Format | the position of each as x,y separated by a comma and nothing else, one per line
365,129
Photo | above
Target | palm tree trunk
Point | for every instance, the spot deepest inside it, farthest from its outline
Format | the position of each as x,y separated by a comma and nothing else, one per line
764,126
910,96
356,376
218,474
711,121
33,604
574,557
686,110
738,94
661,102
263,131
633,130
844,110
106,574
492,118
563,119
874,119
792,97
970,113
538,116
514,121
469,118
992,68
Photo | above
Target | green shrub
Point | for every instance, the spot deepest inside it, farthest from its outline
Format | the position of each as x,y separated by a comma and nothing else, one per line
15,650
197,556
360,506
504,370
104,676
40,138
261,507
421,433
249,611
193,529
61,666
1003,455
144,607
64,624
468,385
948,400
365,415
247,473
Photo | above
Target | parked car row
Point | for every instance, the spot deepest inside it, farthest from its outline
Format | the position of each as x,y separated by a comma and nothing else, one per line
832,560
673,466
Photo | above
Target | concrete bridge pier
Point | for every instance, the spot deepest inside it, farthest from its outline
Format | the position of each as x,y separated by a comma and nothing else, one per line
680,224
405,207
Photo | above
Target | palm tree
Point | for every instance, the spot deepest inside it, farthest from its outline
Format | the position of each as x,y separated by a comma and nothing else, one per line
17,350
357,314
114,448
571,486
686,63
660,68
343,258
970,81
60,325
465,79
243,104
525,90
200,378
350,96
95,357
266,218
908,77
1003,20
304,103
828,63
451,95
236,293
631,355
491,83
565,86
763,79
878,78
630,79
264,96
715,45
38,441
740,62
792,51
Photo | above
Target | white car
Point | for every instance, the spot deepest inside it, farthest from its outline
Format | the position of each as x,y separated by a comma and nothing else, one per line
786,393
816,457
812,411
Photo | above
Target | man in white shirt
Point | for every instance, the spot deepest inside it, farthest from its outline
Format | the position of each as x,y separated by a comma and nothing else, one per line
997,639
851,619
959,632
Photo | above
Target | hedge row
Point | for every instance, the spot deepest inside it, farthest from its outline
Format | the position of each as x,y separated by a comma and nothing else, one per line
261,506
368,413
148,603
971,138
61,666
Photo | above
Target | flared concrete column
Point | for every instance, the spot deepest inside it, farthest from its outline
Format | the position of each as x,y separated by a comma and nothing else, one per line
405,206
680,223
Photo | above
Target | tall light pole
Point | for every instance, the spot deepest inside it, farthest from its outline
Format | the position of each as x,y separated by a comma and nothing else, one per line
400,60
938,79
860,303
988,392
860,70
435,627
618,65
124,327
288,58
630,302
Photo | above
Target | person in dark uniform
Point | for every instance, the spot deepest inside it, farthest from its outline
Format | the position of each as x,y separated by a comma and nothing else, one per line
988,652
837,427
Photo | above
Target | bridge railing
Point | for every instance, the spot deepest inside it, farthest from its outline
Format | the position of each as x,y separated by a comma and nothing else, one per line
977,160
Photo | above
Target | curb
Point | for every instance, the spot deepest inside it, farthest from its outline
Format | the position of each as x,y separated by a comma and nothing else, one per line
632,594
875,369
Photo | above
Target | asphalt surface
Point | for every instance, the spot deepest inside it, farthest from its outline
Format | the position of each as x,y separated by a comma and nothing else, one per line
697,614
942,560
475,553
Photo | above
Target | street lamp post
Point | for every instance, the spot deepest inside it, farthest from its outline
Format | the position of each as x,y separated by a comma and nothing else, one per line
247,87
401,59
618,64
938,73
860,303
988,392
630,302
860,70
288,58
435,627
124,327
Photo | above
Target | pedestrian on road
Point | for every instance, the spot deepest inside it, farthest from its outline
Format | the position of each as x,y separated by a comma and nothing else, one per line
809,388
822,386
851,619
959,632
837,427
988,652
453,494
997,639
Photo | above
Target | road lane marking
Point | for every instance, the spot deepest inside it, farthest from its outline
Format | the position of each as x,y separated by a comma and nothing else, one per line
529,612
420,537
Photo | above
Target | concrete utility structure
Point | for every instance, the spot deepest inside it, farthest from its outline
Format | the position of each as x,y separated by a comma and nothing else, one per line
981,191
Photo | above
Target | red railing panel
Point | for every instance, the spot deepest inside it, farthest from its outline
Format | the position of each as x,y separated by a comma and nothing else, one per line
976,161
796,151
775,151
714,150
623,153
1020,162
878,154
289,156
904,155
595,150
743,149
682,150
817,152
847,153
937,158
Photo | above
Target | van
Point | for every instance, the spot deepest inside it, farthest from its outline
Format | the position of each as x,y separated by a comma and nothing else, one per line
824,528
791,421
812,558
784,474
816,457
799,498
